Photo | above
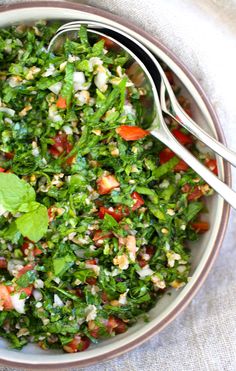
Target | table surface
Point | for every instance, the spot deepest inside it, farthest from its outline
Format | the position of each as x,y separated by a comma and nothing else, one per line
203,35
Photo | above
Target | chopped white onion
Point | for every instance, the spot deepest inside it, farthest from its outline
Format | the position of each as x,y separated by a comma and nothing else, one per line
37,295
18,304
57,301
94,61
90,312
67,130
49,71
78,80
146,271
100,81
55,88
14,265
9,111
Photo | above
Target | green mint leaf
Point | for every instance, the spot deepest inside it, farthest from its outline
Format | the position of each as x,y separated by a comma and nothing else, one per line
14,192
61,265
11,233
33,224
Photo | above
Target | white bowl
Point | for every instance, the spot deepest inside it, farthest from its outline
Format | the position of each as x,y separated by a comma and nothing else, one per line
203,253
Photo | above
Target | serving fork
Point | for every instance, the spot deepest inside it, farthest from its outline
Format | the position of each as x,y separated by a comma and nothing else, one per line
155,81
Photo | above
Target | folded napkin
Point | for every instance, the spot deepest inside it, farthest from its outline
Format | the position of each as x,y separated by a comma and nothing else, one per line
203,35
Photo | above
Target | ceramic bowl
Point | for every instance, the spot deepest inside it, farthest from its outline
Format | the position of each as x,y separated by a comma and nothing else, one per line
203,253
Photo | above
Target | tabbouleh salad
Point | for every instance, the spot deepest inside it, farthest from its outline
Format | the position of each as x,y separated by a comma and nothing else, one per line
95,213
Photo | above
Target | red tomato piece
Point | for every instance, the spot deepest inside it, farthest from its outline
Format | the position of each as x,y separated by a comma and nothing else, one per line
106,184
5,297
78,344
115,213
116,324
91,281
27,290
104,297
212,165
181,137
91,261
3,263
101,236
26,268
200,227
61,103
107,42
166,154
181,166
139,201
35,251
60,145
141,261
131,132
9,155
170,77
195,194
2,170
150,250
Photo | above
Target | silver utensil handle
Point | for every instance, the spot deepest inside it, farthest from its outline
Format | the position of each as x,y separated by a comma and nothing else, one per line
204,137
183,119
220,187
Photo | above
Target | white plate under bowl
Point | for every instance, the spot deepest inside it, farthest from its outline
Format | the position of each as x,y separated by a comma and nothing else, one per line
203,253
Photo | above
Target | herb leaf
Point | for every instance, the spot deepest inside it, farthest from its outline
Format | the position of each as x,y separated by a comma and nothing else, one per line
33,224
14,192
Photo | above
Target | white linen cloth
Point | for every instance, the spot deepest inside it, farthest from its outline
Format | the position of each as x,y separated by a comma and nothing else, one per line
203,35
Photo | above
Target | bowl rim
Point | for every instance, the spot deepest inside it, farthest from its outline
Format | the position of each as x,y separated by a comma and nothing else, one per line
225,210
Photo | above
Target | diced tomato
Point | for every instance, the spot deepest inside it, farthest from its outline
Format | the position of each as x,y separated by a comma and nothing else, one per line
26,268
166,154
195,194
107,42
79,292
188,111
2,170
116,324
115,213
150,250
100,236
91,281
212,165
181,137
131,132
61,103
78,344
35,251
5,298
104,297
141,261
91,261
181,166
9,155
27,290
60,145
170,77
138,200
3,263
200,227
94,329
186,188
106,184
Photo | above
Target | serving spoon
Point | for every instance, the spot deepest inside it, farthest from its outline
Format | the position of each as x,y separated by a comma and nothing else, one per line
141,65
175,111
